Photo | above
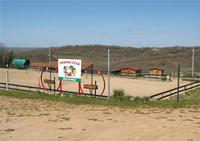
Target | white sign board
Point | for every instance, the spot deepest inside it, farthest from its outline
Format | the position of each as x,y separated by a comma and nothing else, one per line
69,70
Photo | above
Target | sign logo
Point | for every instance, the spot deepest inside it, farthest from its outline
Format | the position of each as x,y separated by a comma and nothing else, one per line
69,70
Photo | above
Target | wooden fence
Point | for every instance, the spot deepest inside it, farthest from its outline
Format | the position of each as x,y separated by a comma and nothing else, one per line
37,89
172,92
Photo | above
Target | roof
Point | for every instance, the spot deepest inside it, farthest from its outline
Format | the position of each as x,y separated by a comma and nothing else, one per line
156,68
39,65
55,65
128,67
85,66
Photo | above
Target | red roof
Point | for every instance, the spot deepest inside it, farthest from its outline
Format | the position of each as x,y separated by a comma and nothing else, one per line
128,67
85,66
39,65
55,65
156,68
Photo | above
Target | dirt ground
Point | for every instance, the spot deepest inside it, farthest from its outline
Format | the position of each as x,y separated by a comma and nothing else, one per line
40,120
131,86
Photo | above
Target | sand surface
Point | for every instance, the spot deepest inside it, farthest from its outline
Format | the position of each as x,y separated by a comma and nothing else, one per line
131,86
40,120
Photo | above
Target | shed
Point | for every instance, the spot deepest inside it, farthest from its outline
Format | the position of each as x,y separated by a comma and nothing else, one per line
127,71
21,63
45,66
39,66
87,68
156,71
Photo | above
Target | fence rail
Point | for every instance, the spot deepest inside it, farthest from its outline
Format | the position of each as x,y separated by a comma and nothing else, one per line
37,89
173,91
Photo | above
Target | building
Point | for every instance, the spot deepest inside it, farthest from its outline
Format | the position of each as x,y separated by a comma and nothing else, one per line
54,66
87,68
156,71
21,63
127,71
39,66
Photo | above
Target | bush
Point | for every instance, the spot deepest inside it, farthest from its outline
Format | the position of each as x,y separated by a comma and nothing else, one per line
118,93
141,99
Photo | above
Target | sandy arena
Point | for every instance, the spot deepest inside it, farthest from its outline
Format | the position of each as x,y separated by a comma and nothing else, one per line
132,87
37,120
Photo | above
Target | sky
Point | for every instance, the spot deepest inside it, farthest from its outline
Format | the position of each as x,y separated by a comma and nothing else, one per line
146,23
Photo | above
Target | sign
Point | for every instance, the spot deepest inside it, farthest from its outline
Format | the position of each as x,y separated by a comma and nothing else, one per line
49,81
88,86
69,70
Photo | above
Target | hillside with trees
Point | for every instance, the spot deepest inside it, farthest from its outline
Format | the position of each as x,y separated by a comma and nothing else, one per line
6,56
144,58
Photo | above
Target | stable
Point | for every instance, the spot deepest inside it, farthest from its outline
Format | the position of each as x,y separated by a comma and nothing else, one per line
127,71
21,63
156,71
87,68
54,66
44,66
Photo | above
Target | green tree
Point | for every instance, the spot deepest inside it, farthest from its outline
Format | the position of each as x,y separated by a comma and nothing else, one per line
10,58
3,56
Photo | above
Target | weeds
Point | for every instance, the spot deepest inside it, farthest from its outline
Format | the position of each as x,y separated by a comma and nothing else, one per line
118,99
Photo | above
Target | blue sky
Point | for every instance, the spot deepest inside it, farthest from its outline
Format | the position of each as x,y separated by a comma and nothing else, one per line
37,23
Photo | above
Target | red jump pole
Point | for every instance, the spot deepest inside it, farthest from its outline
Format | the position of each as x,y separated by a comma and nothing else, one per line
60,86
79,87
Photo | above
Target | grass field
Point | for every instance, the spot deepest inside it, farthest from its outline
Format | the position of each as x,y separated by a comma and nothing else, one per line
188,99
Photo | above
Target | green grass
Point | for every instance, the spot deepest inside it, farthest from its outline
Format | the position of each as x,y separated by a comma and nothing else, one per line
188,100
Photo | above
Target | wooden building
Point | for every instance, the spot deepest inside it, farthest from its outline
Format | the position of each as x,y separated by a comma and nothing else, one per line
127,71
87,68
156,71
54,66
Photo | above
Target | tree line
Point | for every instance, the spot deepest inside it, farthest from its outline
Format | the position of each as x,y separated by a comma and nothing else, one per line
6,57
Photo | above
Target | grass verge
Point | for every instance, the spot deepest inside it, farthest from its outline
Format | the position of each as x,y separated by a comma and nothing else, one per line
188,100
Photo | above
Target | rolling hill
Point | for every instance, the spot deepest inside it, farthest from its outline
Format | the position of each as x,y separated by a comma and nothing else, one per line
144,58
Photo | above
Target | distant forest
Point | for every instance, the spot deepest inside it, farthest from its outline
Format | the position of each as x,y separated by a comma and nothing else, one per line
145,58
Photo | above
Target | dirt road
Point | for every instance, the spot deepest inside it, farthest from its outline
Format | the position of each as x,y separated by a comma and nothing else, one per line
37,120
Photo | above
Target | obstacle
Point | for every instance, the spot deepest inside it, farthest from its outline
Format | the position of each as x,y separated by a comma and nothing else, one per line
45,85
93,85
48,89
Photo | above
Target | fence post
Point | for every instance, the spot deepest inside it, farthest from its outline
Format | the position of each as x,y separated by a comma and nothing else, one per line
185,89
95,90
7,80
192,62
108,73
178,76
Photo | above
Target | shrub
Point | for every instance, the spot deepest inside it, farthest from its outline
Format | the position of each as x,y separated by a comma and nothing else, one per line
141,99
118,93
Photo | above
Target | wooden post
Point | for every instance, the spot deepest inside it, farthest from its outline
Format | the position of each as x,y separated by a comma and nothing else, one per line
178,76
92,77
95,90
54,80
60,86
7,80
193,62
